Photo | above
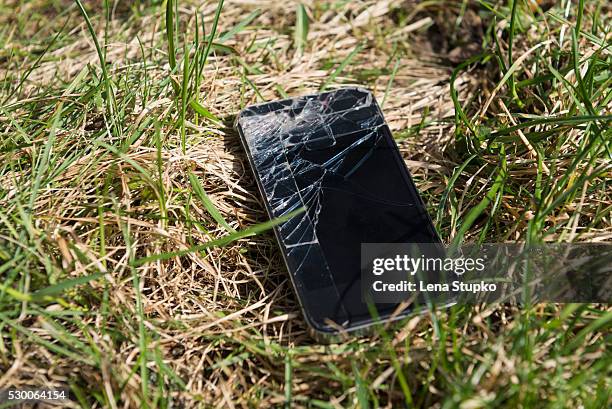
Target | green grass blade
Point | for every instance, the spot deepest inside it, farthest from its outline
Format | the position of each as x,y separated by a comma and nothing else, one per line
341,67
475,212
513,17
208,204
211,37
170,34
238,27
45,157
51,346
142,331
38,59
390,83
604,322
288,379
184,97
362,390
110,97
201,110
450,186
223,241
66,285
301,29
566,120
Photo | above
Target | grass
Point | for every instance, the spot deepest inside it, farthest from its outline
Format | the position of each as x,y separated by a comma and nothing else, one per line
136,260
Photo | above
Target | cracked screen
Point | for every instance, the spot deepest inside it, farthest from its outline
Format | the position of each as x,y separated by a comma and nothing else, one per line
334,155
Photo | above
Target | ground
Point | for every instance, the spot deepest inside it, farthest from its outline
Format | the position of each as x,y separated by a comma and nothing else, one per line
120,174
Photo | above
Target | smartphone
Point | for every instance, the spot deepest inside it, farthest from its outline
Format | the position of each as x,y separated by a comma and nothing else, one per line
333,155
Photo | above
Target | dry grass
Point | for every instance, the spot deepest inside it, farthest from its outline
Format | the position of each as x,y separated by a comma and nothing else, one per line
221,327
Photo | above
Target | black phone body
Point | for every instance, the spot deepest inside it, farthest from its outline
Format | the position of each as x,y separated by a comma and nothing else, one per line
333,155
